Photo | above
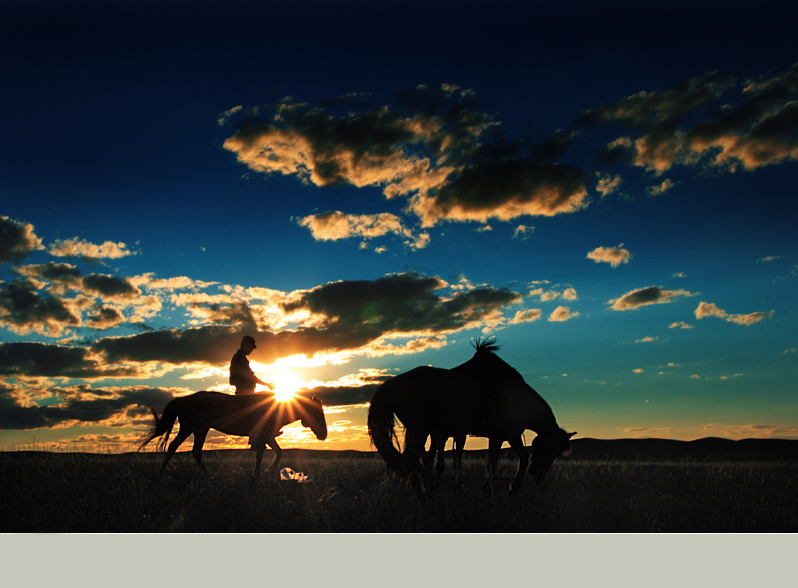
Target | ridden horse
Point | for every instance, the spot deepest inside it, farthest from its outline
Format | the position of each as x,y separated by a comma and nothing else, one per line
258,416
484,397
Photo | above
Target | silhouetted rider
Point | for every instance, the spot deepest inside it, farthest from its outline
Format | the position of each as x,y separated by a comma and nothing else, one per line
241,375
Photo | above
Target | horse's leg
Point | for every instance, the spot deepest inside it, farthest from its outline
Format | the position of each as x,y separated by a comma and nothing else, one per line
517,443
278,454
196,451
260,447
428,458
458,445
414,448
494,445
438,445
182,435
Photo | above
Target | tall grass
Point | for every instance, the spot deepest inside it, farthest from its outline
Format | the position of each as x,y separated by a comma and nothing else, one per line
90,493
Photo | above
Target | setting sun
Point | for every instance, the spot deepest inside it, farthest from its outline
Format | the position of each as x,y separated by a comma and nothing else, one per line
286,383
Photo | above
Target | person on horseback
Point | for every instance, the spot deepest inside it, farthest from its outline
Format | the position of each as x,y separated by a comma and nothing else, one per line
241,375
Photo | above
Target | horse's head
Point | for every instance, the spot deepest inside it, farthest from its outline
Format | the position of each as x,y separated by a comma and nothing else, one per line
313,418
545,449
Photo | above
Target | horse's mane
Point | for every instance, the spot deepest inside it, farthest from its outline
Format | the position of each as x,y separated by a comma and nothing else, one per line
489,345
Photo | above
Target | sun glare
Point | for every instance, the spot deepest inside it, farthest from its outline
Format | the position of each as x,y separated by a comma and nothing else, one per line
286,384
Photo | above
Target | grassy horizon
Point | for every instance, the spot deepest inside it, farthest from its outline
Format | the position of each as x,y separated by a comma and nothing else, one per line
94,493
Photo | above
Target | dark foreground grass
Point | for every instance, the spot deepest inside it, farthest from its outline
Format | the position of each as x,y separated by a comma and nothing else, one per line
91,493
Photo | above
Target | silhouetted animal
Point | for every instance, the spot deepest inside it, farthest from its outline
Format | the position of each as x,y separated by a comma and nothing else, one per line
484,397
258,416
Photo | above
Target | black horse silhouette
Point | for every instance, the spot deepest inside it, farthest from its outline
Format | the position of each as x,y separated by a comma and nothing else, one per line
484,397
258,416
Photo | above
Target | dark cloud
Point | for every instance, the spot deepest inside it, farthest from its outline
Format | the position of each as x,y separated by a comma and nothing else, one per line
315,144
214,345
668,108
25,310
358,301
506,189
105,317
645,296
82,406
455,118
55,361
17,239
400,303
688,124
110,286
59,273
347,315
236,313
436,146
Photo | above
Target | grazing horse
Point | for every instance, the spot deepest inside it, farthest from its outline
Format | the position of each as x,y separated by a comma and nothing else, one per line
258,416
483,397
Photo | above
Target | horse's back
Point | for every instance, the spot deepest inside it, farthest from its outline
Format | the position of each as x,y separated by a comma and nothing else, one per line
436,399
220,411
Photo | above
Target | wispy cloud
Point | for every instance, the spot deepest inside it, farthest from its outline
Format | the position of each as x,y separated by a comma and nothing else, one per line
706,309
608,184
80,248
568,293
333,225
752,431
526,316
615,256
689,124
562,314
643,432
523,232
660,188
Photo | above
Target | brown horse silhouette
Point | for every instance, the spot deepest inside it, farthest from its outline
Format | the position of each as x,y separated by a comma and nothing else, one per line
258,416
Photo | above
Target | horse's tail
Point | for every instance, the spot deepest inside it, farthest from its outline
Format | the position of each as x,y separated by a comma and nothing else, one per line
161,426
381,429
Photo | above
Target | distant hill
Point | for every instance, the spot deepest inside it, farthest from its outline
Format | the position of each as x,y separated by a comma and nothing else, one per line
712,447
587,448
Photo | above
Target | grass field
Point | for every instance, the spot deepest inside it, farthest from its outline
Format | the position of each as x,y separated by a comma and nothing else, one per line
350,492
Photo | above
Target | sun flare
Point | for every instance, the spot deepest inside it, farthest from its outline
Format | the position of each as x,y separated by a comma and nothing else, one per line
286,384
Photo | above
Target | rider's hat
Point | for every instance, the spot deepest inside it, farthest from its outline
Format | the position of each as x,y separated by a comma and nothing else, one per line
248,339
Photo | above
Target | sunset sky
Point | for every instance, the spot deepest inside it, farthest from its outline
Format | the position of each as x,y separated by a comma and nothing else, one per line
365,187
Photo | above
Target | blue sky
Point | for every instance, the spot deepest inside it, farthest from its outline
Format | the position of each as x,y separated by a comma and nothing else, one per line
368,187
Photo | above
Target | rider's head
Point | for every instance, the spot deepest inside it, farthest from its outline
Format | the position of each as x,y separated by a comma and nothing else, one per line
248,344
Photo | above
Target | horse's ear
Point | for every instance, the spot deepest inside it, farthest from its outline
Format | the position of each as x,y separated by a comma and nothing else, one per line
571,434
